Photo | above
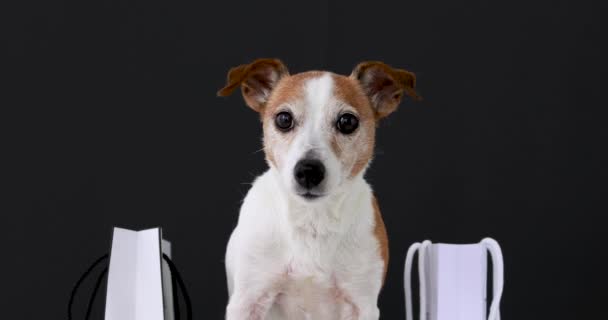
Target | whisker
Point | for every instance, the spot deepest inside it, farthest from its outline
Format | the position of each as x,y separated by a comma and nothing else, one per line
259,150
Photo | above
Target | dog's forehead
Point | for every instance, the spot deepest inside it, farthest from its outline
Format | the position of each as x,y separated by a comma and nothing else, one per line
316,87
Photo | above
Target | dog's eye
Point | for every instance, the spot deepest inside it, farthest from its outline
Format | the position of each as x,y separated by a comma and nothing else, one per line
284,121
347,123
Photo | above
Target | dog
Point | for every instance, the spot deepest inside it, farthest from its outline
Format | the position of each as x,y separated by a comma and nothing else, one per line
310,242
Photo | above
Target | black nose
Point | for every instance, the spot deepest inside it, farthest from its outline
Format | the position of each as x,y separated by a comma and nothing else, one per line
309,173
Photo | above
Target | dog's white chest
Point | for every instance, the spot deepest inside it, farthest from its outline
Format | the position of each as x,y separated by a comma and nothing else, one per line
287,263
316,295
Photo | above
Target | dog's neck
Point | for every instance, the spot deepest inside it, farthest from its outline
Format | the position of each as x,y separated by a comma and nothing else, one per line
332,215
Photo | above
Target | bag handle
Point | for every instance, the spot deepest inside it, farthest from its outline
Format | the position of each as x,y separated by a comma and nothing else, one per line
421,248
497,273
407,276
81,280
175,277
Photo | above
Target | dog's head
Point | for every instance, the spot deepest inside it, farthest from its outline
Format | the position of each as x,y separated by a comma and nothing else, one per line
319,127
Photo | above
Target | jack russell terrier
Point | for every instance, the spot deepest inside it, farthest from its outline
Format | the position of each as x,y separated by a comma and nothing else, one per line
310,241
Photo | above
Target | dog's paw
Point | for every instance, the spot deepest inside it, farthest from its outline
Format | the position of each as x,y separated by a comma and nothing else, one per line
372,313
239,313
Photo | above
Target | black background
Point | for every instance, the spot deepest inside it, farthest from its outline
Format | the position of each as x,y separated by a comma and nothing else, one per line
112,119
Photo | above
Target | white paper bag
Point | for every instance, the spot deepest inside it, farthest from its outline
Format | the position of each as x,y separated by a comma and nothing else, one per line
139,284
453,280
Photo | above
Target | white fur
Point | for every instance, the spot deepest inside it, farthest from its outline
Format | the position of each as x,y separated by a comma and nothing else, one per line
289,258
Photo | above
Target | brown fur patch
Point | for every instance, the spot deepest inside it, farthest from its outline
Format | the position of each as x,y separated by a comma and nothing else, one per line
380,233
270,158
256,79
289,89
349,90
384,85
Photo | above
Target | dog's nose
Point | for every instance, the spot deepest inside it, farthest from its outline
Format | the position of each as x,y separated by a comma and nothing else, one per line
309,173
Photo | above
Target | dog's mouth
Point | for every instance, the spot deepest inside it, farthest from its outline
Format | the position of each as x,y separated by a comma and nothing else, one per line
310,196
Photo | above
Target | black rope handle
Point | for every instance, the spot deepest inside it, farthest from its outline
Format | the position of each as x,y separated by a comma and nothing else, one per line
175,277
81,280
174,295
92,299
182,286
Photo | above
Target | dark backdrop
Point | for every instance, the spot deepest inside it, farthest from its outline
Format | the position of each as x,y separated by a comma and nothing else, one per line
111,119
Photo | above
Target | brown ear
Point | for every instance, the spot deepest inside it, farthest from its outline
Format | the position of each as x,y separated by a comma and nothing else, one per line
256,79
384,85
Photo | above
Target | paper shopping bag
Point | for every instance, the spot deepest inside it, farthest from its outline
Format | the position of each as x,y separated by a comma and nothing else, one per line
137,289
452,280
141,279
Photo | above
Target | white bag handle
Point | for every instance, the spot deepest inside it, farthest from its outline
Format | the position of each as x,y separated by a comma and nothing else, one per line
498,275
407,280
497,284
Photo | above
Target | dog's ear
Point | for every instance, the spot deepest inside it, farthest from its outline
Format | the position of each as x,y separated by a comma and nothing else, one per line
384,85
256,79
